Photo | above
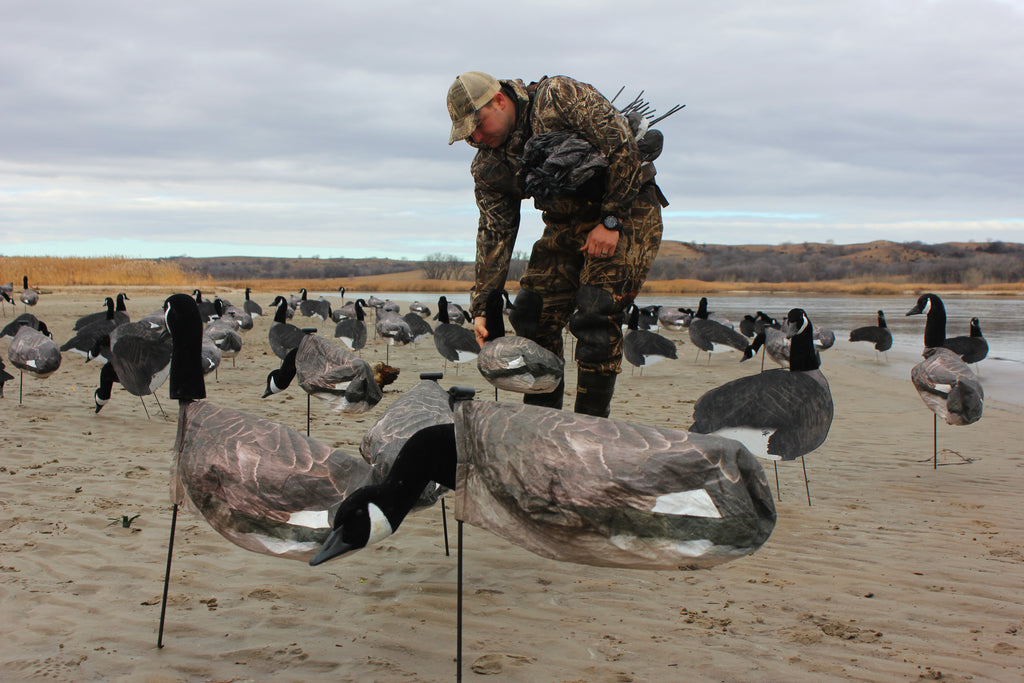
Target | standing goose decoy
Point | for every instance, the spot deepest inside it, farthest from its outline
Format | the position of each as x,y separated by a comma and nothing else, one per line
251,307
516,363
84,342
972,348
879,335
5,296
456,314
643,347
223,332
352,330
648,317
418,326
206,308
328,372
33,351
712,336
391,327
319,309
775,343
454,342
237,316
943,381
120,313
140,359
574,488
282,335
28,296
348,310
263,486
777,414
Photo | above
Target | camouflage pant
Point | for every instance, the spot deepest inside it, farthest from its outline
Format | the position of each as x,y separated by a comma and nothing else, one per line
558,270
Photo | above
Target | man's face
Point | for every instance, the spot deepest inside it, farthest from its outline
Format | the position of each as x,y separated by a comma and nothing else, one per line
495,122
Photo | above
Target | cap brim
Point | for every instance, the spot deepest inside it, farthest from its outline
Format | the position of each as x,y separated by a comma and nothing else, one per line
463,128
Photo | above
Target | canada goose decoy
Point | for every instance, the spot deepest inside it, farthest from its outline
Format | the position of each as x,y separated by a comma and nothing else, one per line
348,310
419,309
879,335
418,326
120,313
712,336
206,307
516,363
328,372
777,414
351,331
85,340
139,359
456,314
391,327
5,296
643,347
35,352
282,335
223,332
775,343
4,378
972,348
673,318
575,488
28,296
454,342
943,380
237,316
319,309
250,306
23,320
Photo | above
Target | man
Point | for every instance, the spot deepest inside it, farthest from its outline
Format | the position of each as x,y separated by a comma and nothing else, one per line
596,248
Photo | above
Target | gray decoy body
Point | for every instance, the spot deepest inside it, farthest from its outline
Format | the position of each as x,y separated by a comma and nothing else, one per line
120,314
642,347
878,335
778,414
351,331
392,327
515,363
34,351
87,336
972,348
282,335
328,372
141,357
251,307
28,296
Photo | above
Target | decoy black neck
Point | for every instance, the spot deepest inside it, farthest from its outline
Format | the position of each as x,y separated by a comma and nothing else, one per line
702,309
802,354
110,308
494,315
186,329
975,327
881,319
281,316
283,376
935,326
120,302
442,311
634,318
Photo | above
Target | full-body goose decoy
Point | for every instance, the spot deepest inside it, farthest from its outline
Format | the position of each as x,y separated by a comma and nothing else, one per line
319,309
84,341
775,343
418,326
282,335
250,306
673,318
777,414
712,336
515,363
575,488
223,331
140,360
120,313
943,381
348,310
237,316
419,309
351,331
206,307
328,372
972,348
391,327
5,296
23,320
28,296
454,342
35,352
643,347
879,335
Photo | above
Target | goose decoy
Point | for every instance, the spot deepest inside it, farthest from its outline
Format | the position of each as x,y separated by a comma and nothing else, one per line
263,486
419,309
237,316
712,336
456,314
140,359
643,347
282,335
223,332
34,351
393,328
5,297
85,341
120,313
943,380
673,318
206,307
23,320
251,307
418,326
328,372
516,363
972,348
775,343
575,488
348,310
879,335
454,342
319,309
28,296
778,414
4,378
351,331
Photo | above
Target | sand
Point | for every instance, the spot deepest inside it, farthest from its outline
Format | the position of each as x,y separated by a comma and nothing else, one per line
896,571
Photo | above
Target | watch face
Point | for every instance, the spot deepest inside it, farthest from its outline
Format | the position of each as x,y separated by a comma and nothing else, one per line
612,223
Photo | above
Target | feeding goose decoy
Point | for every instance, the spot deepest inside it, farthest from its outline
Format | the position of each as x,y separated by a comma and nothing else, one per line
643,347
419,309
282,335
972,348
516,363
943,381
28,296
34,351
328,372
120,313
140,358
263,486
879,335
574,488
454,342
351,330
223,331
85,341
250,306
777,414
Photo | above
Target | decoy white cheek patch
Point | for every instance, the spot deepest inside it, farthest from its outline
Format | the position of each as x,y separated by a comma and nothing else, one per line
693,503
313,519
380,527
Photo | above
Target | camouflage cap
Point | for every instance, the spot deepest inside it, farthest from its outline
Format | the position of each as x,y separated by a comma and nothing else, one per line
470,91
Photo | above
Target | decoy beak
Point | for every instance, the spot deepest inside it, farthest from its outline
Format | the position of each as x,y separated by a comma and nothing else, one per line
332,547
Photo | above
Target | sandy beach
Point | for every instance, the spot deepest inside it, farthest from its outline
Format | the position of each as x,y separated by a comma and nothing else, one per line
895,571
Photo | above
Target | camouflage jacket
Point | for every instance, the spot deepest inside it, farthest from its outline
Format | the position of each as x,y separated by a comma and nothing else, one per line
557,103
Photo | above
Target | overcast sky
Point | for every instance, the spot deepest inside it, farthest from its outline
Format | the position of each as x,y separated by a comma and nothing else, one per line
307,128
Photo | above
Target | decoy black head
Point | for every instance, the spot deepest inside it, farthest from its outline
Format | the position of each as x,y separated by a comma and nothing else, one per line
185,325
925,304
357,523
796,322
494,315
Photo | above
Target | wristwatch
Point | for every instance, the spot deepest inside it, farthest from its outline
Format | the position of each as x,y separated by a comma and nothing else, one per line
612,223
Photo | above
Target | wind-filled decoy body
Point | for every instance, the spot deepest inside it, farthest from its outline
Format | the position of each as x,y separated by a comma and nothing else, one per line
512,362
250,306
28,296
329,373
263,486
34,351
778,414
120,313
139,359
319,309
392,327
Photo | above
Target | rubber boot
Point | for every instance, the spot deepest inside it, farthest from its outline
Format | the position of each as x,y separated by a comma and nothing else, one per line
549,400
594,393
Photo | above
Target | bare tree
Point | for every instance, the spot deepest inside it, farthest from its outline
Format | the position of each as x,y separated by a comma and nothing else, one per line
440,266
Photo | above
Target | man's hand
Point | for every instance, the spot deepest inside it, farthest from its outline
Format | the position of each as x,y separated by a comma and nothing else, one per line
480,329
601,242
